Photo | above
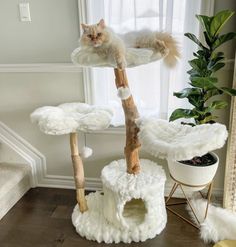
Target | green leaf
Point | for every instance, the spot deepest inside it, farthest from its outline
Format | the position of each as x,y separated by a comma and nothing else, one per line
209,118
218,21
207,39
212,92
217,66
222,39
193,73
229,91
198,64
194,39
204,82
194,96
182,113
196,100
187,91
215,55
205,22
217,104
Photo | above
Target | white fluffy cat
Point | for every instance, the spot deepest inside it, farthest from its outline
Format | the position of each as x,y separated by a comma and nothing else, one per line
108,44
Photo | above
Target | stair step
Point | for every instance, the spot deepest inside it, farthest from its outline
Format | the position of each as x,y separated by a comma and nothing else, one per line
14,182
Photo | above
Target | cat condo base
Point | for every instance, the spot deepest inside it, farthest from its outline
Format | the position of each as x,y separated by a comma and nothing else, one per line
130,208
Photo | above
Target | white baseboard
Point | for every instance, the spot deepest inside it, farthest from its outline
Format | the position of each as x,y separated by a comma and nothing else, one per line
67,182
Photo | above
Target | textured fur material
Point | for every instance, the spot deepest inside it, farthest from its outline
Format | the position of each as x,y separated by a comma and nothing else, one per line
71,117
107,221
220,223
139,47
86,152
123,93
173,140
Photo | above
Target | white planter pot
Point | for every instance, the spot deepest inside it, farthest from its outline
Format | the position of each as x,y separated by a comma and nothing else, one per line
193,175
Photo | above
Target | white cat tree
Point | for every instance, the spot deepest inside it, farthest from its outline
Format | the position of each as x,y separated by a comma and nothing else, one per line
131,206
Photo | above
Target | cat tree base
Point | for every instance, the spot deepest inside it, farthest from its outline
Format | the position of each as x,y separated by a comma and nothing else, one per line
130,208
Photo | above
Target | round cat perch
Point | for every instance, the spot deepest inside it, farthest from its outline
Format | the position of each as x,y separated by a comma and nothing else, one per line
173,140
69,118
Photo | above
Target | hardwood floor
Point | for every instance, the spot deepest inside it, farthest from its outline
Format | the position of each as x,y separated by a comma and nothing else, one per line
42,219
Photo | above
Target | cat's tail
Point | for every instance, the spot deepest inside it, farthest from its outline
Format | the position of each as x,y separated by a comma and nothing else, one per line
171,44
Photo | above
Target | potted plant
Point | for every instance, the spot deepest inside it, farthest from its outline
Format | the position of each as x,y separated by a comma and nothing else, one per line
204,87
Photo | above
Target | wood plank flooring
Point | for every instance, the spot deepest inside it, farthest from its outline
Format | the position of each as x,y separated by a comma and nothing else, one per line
42,218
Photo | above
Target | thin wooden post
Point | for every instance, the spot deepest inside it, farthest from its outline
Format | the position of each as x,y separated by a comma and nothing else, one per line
131,113
78,172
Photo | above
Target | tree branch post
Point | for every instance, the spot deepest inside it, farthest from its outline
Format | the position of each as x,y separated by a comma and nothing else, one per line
78,173
131,149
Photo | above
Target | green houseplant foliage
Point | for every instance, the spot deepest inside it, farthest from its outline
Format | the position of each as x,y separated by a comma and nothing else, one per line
207,60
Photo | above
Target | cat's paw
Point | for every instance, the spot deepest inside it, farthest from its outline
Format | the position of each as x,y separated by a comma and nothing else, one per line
161,47
121,64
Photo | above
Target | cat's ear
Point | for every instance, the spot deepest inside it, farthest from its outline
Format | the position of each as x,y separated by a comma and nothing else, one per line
84,27
101,23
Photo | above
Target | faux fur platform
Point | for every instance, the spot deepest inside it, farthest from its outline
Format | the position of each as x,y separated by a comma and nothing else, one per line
173,140
71,117
85,57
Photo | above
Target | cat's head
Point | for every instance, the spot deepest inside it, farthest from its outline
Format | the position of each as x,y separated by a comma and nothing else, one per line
94,35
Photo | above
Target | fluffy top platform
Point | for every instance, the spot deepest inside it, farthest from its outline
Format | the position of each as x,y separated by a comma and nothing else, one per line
173,140
85,57
71,117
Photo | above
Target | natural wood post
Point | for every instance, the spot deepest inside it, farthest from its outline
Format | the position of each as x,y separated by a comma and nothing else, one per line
78,172
131,113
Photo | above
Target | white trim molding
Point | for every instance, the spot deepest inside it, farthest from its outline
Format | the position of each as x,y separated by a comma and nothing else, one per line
32,156
37,161
40,68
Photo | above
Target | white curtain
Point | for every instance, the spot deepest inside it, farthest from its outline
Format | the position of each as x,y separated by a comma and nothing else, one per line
152,85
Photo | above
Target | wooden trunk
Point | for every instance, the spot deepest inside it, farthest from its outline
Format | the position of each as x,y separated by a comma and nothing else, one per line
78,173
131,113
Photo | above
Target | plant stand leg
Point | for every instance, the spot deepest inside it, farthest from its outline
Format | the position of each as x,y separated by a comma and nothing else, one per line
131,113
78,173
168,205
208,198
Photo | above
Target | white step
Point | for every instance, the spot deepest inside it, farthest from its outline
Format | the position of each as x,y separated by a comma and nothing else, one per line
14,183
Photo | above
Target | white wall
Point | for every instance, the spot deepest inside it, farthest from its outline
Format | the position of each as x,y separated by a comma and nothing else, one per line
50,38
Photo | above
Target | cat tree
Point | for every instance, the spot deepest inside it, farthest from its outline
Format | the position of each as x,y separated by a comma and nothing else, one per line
131,207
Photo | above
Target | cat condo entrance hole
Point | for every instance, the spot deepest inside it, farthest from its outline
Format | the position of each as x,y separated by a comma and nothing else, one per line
134,212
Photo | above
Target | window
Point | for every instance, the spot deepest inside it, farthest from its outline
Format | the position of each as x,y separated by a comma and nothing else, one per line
152,85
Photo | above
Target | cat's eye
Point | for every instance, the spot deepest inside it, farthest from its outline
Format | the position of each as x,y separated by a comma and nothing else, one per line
99,34
89,36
